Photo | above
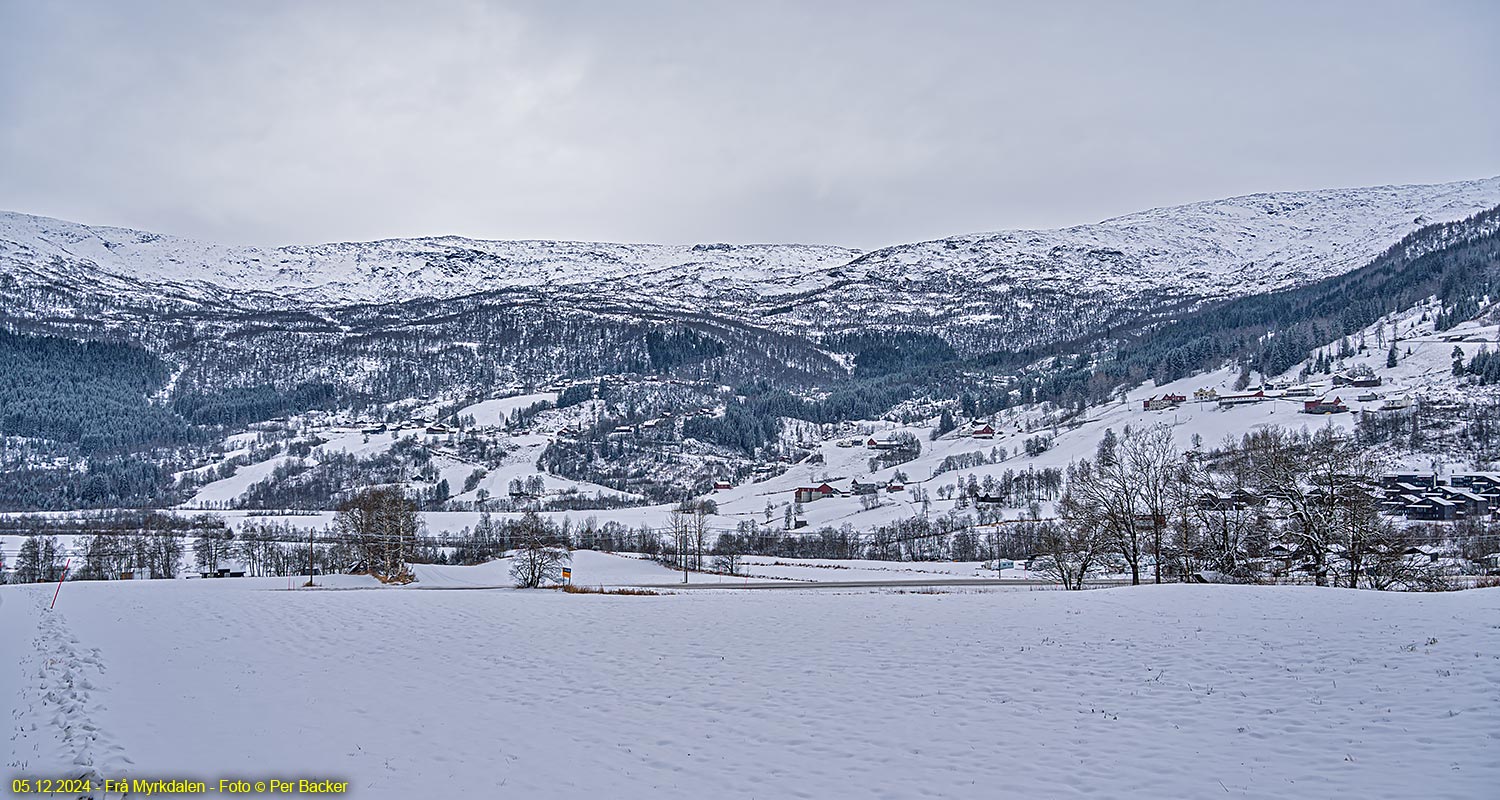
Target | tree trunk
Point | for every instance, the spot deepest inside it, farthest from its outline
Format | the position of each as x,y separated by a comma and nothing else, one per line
1156,554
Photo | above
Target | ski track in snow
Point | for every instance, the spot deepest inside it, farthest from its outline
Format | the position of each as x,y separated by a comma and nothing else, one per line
56,732
1177,691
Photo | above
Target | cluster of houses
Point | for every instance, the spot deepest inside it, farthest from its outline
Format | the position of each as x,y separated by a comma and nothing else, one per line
1324,404
843,487
666,422
1427,497
1416,496
419,423
1318,399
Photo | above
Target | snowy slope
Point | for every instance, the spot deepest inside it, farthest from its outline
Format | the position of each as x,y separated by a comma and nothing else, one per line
1171,691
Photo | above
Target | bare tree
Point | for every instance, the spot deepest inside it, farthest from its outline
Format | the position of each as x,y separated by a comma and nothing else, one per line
1320,485
1223,508
1150,460
212,546
727,562
537,562
1395,563
677,532
1070,551
164,548
383,525
1106,501
699,534
39,559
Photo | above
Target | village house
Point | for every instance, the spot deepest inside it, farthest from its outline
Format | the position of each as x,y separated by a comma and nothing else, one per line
807,494
721,484
1356,381
1471,503
985,431
1431,508
1324,405
1226,400
883,442
1395,404
1237,500
1162,403
1424,480
232,569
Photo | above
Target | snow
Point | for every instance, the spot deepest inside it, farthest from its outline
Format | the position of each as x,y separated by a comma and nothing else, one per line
1173,691
399,269
1425,372
589,569
227,489
1211,249
492,413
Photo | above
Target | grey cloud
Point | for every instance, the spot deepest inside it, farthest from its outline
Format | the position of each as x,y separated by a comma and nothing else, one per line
852,123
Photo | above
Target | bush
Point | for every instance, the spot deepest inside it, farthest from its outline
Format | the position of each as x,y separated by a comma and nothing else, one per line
571,589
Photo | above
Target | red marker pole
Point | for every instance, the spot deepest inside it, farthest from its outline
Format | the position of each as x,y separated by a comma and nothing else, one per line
59,583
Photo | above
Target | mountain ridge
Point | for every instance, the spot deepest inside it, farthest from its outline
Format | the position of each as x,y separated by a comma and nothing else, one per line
1271,238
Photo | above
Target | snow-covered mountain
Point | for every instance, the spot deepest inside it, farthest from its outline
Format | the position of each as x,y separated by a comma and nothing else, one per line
1204,250
393,270
1027,287
679,364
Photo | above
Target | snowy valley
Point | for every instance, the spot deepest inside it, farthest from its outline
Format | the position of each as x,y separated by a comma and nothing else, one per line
687,521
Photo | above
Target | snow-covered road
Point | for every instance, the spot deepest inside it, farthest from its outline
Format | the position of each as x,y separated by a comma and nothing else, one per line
1173,691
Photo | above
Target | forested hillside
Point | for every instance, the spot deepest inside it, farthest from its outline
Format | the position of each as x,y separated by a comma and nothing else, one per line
127,396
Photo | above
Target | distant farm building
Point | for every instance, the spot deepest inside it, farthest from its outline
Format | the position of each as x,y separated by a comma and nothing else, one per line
1237,500
1395,404
1226,400
1162,403
1357,381
807,494
1324,405
985,431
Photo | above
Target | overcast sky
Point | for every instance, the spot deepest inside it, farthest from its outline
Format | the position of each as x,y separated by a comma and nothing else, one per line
859,123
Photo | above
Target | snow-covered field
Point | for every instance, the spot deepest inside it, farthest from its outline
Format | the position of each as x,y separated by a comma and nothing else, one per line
1174,691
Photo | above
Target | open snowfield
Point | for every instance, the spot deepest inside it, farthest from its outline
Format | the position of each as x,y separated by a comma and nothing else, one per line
1176,691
